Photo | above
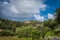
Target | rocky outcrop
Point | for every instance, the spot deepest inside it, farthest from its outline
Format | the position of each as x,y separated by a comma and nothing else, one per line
52,38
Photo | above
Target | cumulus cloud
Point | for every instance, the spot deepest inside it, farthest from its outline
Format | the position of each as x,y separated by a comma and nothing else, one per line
40,18
23,8
50,16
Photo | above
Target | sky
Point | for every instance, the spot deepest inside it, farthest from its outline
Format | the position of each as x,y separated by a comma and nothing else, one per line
21,10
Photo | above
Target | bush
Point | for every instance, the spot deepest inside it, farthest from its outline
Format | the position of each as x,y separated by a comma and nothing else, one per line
7,33
50,33
28,32
24,32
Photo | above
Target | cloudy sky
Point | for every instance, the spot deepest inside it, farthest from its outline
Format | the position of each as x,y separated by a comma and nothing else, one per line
20,10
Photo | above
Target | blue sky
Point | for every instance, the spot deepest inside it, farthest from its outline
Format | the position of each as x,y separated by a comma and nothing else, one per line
20,10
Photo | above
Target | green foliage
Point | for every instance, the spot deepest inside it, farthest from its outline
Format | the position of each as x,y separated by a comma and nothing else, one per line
25,31
7,33
50,23
50,33
57,15
35,34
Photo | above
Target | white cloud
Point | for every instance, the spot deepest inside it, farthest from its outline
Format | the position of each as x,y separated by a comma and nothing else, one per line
6,2
23,8
10,8
13,9
50,16
40,18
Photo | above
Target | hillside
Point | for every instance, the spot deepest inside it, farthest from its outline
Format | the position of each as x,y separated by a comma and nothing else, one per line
30,29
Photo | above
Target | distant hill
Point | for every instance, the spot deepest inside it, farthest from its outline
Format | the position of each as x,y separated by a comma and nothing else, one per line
9,24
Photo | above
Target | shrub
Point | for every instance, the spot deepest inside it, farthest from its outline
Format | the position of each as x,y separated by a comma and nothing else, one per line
7,33
50,33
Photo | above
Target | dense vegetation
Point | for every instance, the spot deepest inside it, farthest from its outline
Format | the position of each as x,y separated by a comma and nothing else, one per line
31,29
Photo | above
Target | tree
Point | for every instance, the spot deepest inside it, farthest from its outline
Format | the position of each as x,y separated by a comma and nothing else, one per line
50,23
57,15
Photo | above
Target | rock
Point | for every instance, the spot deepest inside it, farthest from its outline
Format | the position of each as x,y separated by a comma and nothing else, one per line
55,38
52,38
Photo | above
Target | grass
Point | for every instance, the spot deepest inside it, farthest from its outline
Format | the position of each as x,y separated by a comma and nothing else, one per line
13,38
